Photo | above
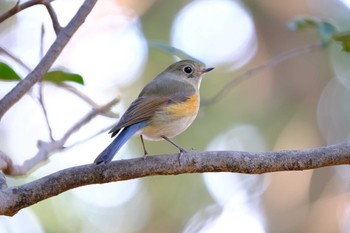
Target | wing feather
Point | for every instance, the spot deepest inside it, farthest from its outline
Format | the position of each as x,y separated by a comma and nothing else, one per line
143,108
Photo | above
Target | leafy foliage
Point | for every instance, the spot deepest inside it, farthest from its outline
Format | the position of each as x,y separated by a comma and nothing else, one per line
7,73
328,32
59,76
56,76
344,39
325,29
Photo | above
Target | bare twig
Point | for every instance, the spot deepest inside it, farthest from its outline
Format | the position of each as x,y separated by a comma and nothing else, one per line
270,63
42,35
90,137
16,59
89,117
19,7
56,48
56,25
41,86
45,149
65,86
42,105
78,93
86,98
15,198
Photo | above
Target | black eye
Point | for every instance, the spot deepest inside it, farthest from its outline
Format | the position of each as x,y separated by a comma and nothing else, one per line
188,69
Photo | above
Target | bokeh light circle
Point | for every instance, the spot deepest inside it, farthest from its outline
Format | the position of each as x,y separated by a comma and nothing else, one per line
333,112
24,221
215,32
110,59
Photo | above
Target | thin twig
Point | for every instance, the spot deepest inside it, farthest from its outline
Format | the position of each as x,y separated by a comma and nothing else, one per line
270,63
19,7
90,137
89,117
78,93
41,86
45,149
56,25
43,108
86,98
42,35
50,57
63,85
16,59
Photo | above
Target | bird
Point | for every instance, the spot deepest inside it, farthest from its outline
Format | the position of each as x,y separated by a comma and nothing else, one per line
165,107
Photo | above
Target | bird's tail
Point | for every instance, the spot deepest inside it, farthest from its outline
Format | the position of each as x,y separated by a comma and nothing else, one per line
107,154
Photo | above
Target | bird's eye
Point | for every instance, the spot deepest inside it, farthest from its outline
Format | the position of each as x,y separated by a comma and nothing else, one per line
188,69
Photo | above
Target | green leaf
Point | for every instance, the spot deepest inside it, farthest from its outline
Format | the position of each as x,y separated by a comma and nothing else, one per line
344,39
325,29
7,73
59,76
300,23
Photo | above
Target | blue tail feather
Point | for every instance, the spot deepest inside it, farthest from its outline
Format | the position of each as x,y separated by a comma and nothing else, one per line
107,154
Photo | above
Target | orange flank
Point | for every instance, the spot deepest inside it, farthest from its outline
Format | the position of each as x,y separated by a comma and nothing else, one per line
187,108
172,119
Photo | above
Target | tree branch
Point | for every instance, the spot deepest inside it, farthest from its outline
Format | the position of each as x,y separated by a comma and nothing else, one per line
16,59
19,7
45,149
15,198
56,48
86,99
56,25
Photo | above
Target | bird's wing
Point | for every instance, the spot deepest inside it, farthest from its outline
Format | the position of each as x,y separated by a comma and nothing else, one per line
143,108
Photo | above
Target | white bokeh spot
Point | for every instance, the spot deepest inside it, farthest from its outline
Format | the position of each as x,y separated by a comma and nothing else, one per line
215,32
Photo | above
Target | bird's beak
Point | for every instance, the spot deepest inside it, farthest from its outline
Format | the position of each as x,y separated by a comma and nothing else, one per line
205,70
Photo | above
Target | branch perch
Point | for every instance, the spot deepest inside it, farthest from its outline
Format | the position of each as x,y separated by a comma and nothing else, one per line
16,198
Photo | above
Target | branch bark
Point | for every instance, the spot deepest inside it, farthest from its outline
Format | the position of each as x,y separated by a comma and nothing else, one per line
56,48
13,199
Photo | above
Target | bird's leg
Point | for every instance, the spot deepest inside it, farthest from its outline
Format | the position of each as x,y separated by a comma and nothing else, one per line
144,148
181,149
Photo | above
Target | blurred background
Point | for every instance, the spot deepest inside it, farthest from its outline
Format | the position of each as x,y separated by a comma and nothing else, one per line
301,103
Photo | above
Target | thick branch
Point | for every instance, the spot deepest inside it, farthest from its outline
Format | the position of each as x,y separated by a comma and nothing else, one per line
15,198
56,48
